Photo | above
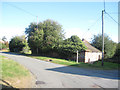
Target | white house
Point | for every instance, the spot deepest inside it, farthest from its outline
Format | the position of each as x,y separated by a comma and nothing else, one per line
91,54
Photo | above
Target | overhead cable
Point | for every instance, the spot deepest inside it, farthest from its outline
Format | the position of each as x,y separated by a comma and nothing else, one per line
112,18
22,10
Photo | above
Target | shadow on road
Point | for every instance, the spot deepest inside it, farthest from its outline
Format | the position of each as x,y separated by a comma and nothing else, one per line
12,53
110,74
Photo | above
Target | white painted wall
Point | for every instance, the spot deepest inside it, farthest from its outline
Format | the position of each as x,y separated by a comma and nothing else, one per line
93,56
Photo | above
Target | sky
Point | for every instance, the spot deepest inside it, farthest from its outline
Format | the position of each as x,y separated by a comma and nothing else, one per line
77,18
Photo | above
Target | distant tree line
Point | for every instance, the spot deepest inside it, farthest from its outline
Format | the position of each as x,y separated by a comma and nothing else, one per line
47,38
111,49
109,45
4,44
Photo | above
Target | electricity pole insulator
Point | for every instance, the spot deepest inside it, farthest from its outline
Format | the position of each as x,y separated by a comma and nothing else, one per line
102,37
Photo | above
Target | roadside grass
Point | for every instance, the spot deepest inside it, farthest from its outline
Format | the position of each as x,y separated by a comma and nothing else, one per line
95,65
12,69
13,73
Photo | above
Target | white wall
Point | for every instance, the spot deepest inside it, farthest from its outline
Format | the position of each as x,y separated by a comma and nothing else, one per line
93,56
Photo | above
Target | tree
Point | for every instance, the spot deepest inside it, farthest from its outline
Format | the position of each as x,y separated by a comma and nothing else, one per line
35,41
4,44
109,45
71,45
17,43
46,37
4,38
118,50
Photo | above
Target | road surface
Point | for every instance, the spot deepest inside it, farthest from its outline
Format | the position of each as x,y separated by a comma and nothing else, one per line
50,75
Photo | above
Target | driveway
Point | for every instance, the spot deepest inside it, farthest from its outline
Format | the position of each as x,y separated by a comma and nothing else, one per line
50,75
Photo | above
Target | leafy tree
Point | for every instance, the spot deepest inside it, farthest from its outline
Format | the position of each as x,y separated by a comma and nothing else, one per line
4,38
71,45
35,41
109,45
4,44
118,50
46,37
32,28
17,43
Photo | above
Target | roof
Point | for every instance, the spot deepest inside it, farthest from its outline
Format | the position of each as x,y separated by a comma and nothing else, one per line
90,48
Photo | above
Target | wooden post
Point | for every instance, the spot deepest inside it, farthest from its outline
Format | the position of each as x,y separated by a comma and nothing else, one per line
77,57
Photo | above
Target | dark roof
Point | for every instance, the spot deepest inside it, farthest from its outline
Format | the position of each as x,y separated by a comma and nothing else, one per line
90,48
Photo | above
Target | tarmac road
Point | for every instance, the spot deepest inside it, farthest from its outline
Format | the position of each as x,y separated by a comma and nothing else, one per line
50,75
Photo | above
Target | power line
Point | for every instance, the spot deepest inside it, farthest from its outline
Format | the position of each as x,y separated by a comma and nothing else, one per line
94,23
113,12
22,10
25,12
91,26
112,18
104,5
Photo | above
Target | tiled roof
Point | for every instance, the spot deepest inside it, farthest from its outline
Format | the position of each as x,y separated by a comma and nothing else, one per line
90,48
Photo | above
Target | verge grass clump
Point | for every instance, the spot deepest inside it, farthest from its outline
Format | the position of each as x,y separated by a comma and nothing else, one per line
11,69
14,74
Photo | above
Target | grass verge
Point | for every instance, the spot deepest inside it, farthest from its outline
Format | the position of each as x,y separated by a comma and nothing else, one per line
14,74
95,65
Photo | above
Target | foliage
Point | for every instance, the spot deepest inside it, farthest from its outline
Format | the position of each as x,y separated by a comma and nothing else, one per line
109,45
4,44
71,45
4,38
17,43
46,37
35,40
118,50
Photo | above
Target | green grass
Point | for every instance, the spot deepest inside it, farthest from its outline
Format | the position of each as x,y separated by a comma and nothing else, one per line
11,69
95,65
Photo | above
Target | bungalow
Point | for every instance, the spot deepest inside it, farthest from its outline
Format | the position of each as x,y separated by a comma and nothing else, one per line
91,54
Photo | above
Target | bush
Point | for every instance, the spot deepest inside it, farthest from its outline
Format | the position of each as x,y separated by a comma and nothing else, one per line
17,43
3,46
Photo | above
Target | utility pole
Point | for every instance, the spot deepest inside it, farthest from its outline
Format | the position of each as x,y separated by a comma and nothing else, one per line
37,30
103,36
37,22
77,57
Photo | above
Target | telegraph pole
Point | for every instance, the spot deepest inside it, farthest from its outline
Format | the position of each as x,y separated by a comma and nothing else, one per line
37,29
103,36
37,22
